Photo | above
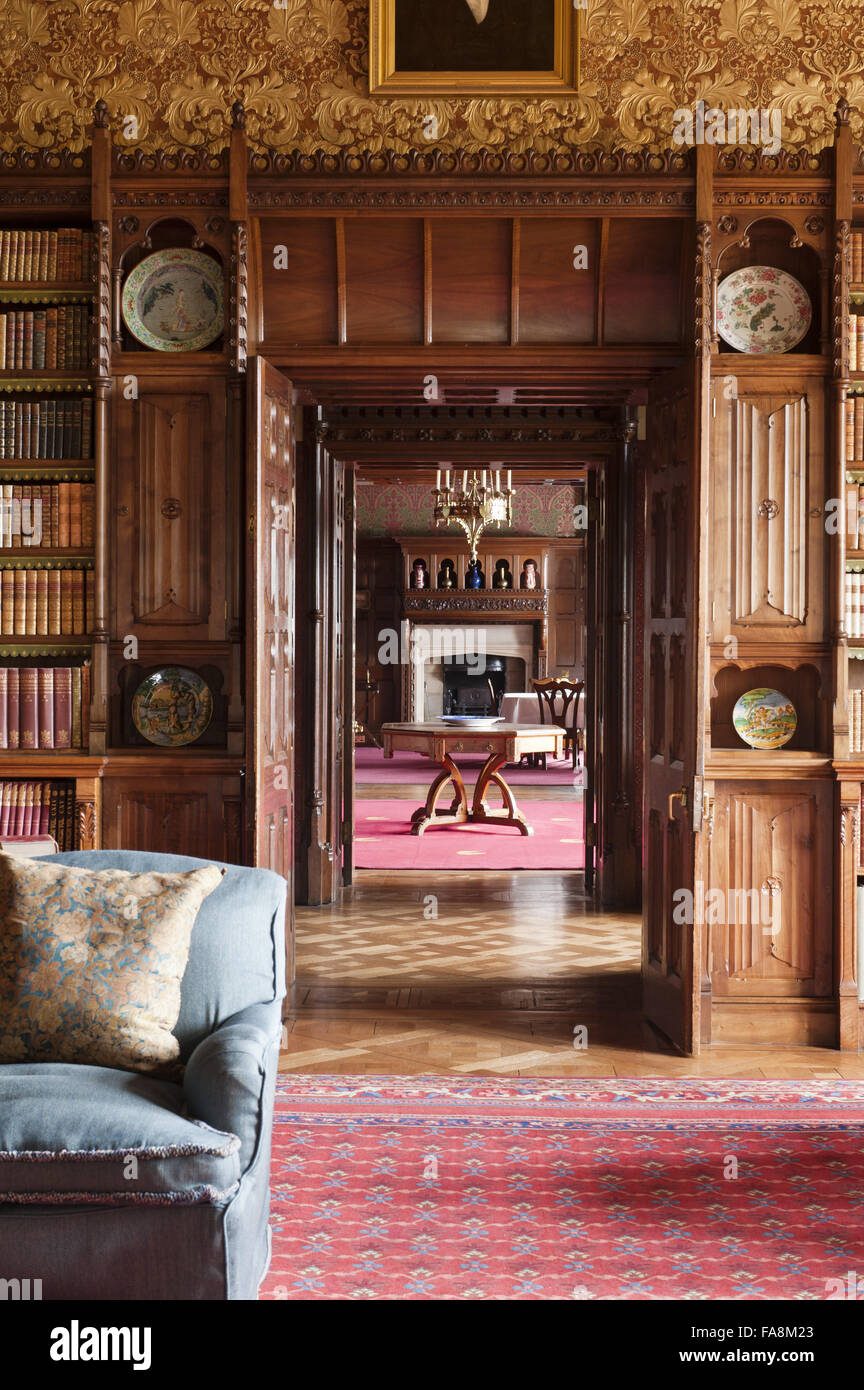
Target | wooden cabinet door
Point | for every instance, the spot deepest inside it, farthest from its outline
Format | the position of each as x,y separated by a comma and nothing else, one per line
674,664
270,627
768,913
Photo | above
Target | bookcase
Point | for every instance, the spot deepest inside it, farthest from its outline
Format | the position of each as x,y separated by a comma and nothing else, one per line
49,778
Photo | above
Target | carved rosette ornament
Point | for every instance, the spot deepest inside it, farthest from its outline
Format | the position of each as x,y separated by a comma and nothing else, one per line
239,296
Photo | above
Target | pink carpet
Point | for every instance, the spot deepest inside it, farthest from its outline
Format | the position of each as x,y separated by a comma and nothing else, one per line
383,839
403,768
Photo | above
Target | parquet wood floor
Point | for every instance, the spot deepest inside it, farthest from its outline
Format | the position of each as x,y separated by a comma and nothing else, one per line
494,985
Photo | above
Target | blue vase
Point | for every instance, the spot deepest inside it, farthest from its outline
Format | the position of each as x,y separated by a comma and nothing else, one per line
474,576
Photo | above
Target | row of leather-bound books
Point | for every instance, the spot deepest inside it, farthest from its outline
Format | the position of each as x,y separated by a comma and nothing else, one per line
42,256
857,248
856,721
856,342
51,339
855,429
44,707
47,515
56,428
855,603
38,808
46,602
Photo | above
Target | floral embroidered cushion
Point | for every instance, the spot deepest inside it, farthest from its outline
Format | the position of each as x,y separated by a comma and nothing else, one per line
91,962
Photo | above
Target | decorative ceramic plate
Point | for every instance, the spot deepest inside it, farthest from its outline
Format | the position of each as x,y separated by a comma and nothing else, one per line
765,718
172,301
472,721
760,309
172,707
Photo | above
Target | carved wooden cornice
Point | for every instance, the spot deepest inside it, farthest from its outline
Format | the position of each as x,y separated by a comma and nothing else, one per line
534,604
577,163
463,432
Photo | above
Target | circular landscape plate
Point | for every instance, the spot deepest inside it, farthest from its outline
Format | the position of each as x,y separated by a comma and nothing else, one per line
760,309
472,721
765,718
172,301
172,707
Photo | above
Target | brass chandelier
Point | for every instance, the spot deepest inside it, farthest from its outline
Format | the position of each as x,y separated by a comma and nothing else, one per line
476,501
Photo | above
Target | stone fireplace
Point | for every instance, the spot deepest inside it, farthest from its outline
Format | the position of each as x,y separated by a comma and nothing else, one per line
506,649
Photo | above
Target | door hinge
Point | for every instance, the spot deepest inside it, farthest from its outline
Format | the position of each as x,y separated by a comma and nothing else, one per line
251,525
590,834
347,832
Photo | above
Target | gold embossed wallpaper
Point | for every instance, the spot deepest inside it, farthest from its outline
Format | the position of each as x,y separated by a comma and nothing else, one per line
300,66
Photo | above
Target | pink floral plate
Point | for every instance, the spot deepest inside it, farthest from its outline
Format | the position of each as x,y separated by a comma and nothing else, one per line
760,309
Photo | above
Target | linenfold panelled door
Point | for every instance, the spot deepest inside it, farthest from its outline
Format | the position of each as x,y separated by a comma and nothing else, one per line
270,627
674,705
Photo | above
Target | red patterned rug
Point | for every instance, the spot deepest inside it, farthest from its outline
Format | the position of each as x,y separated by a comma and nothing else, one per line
448,1188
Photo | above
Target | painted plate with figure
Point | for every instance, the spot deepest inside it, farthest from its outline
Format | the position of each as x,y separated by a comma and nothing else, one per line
765,718
173,300
760,309
172,706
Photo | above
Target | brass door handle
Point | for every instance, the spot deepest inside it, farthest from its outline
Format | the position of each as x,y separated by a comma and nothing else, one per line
677,796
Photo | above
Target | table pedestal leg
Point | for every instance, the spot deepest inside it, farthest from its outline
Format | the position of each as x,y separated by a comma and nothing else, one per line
458,812
490,773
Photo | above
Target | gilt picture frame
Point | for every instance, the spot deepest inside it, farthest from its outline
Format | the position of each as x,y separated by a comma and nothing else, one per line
533,44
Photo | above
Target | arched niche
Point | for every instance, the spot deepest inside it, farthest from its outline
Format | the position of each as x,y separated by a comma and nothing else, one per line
142,239
775,242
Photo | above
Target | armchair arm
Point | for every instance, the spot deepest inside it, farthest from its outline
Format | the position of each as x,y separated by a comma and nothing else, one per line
225,1075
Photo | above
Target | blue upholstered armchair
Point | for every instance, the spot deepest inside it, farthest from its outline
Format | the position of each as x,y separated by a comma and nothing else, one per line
114,1185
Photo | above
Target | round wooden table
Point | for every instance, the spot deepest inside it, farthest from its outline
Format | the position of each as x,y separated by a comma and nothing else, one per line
502,743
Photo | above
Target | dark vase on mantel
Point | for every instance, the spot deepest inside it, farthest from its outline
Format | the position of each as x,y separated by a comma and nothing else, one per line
474,578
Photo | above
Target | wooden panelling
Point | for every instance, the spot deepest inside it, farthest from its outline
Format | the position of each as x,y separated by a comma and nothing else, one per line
768,493
567,612
299,302
769,916
768,534
470,280
642,291
170,510
384,280
184,813
556,301
379,608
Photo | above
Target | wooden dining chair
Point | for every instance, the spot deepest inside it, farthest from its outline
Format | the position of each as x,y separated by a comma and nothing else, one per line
559,700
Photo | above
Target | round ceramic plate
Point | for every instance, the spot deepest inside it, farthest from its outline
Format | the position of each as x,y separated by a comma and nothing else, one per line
172,301
760,309
765,718
173,706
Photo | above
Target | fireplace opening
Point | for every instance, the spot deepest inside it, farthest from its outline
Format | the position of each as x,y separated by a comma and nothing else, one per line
466,692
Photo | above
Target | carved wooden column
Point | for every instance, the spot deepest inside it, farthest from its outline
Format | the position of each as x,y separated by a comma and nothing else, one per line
101,367
88,817
846,860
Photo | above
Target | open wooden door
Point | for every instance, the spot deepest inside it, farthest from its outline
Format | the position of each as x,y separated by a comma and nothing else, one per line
594,676
349,644
674,665
270,628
